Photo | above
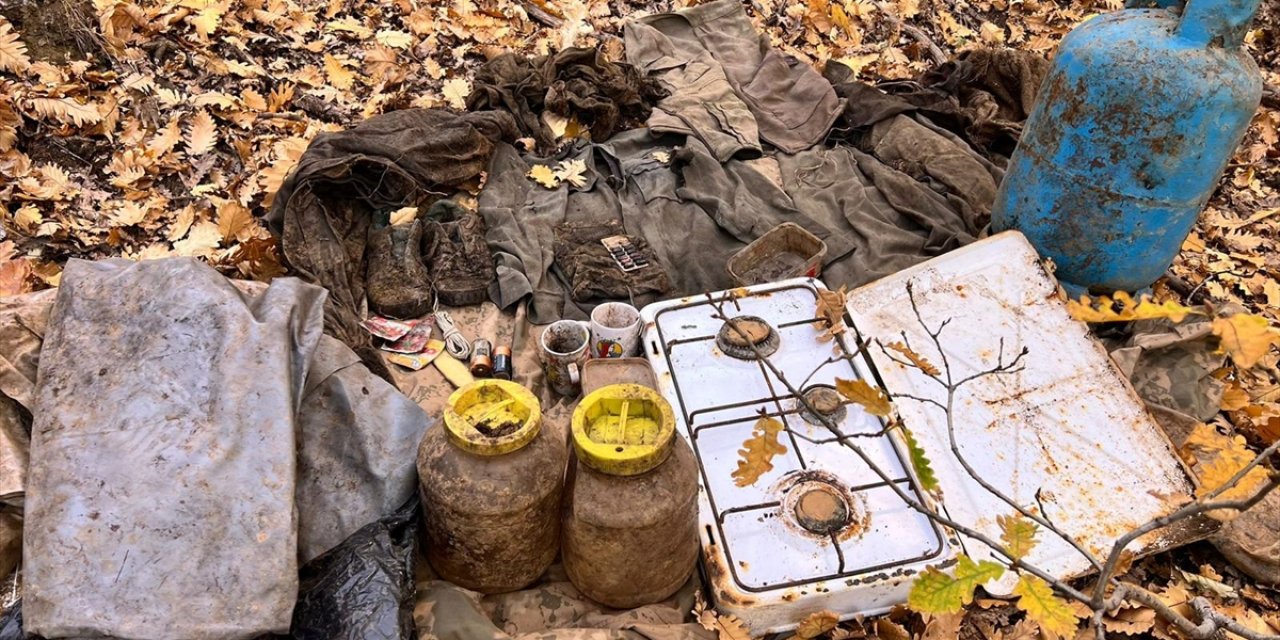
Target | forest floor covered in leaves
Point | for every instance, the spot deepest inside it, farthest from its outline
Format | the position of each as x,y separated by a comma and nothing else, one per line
146,128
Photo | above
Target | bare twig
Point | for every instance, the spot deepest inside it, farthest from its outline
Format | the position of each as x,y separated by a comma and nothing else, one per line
540,15
1001,368
935,52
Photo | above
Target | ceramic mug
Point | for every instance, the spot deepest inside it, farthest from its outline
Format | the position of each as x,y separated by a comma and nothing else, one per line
564,348
615,330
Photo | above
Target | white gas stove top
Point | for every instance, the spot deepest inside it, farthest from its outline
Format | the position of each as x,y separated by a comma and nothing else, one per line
821,530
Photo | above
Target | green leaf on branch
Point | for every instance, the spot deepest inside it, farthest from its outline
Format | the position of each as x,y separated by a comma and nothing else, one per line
921,464
1018,535
1052,613
936,592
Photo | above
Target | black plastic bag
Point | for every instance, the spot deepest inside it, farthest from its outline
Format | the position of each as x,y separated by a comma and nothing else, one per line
363,588
11,623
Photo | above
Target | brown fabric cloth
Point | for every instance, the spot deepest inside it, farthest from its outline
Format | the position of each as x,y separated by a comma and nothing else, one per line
983,95
322,212
577,82
592,273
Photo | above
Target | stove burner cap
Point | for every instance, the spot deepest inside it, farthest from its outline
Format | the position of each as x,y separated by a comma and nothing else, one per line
826,402
822,511
738,335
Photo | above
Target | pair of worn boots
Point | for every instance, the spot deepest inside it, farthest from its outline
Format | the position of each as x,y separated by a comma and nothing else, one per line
442,255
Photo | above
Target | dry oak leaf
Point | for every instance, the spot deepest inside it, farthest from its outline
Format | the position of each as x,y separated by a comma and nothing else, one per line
27,218
1229,460
1246,338
887,629
573,172
918,360
726,627
872,399
456,91
202,133
13,52
206,20
202,240
65,110
816,624
403,215
127,213
14,274
48,182
1123,308
1018,534
755,458
394,39
543,175
336,70
1130,621
349,25
233,219
1037,599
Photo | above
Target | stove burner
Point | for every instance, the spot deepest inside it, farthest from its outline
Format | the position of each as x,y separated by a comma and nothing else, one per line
738,335
826,402
815,503
821,511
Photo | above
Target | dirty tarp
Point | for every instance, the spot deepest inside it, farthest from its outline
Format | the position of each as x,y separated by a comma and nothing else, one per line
695,51
161,493
354,430
352,427
577,83
322,212
551,610
983,95
694,212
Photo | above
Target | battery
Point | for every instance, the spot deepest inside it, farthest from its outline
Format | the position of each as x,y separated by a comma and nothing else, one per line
502,363
481,358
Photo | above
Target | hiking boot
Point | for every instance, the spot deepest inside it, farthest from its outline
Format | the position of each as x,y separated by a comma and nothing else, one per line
396,281
459,256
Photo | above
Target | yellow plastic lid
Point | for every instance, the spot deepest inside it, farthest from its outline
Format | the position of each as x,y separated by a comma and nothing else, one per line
623,429
492,417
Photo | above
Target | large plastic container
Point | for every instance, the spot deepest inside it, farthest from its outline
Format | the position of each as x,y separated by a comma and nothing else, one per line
491,484
631,513
785,251
1134,124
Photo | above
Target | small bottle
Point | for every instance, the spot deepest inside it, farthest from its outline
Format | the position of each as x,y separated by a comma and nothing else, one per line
481,358
502,363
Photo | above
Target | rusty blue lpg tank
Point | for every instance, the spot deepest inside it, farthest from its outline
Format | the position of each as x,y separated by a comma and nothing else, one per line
1132,128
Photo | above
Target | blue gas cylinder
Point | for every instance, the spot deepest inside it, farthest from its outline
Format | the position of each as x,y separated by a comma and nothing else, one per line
1132,129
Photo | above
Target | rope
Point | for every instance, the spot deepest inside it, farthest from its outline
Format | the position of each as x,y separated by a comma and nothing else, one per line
454,342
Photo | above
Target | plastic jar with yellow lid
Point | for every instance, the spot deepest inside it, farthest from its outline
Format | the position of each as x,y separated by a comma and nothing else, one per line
491,483
631,515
